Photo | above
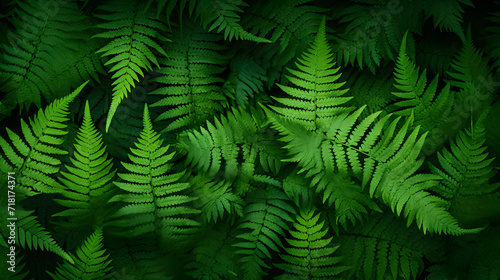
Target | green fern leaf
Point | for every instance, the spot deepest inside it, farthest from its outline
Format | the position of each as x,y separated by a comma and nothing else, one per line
131,47
33,159
88,182
192,88
384,248
448,15
290,25
91,263
381,162
223,16
216,148
466,171
153,199
265,221
42,38
419,98
310,254
316,95
216,199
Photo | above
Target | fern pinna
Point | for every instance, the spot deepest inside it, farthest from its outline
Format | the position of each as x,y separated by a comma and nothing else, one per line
153,198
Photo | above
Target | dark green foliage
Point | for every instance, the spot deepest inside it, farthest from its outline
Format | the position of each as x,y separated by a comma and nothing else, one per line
259,139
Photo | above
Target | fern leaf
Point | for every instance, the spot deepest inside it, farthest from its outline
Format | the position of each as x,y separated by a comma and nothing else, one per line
245,81
153,199
91,261
191,86
34,157
466,171
216,199
30,234
131,48
384,248
289,25
265,221
223,16
216,148
317,97
382,162
419,98
310,254
43,36
88,182
448,15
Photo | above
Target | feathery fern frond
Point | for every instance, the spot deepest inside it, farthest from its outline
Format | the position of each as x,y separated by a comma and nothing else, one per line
471,73
218,147
384,162
29,234
466,171
132,33
192,87
419,98
223,16
216,199
88,182
154,203
290,25
373,32
447,15
33,159
266,219
384,248
91,263
316,97
42,37
310,254
245,81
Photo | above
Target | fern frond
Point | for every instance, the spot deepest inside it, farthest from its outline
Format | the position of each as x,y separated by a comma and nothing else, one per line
447,15
191,85
316,95
34,157
216,199
223,16
471,73
216,148
384,248
373,32
153,199
466,171
265,221
383,162
289,25
419,98
29,233
131,48
246,80
91,262
42,37
310,253
214,257
88,182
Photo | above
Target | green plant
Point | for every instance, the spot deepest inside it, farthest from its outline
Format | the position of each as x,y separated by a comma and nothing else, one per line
266,139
